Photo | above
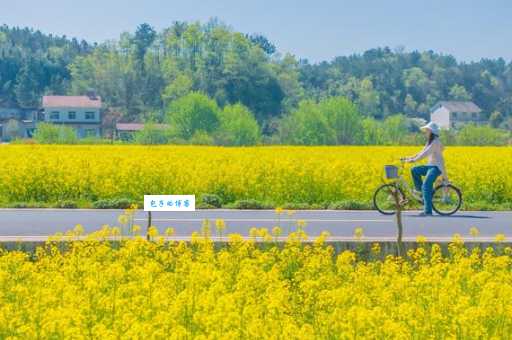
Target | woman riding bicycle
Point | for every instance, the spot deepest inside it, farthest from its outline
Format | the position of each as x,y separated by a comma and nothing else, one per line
434,168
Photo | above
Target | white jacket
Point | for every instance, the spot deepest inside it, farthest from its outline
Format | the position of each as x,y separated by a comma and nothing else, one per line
434,152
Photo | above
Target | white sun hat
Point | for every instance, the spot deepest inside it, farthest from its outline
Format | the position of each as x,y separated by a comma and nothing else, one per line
432,127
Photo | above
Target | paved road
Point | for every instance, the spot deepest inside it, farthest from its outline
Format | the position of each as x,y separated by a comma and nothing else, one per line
26,224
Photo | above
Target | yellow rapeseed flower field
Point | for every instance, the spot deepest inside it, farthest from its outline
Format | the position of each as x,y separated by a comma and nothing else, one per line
277,175
139,289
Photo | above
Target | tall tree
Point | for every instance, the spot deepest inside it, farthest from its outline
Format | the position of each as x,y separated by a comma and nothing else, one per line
144,37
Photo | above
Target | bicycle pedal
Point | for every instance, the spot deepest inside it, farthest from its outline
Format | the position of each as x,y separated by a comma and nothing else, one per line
403,201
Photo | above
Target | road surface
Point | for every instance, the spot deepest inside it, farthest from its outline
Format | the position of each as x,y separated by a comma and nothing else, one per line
37,224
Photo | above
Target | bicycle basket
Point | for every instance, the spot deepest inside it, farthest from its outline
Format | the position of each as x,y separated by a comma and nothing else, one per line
391,171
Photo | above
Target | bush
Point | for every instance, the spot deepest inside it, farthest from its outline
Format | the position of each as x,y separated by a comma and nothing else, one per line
94,141
307,126
237,126
349,205
481,135
372,132
296,206
20,205
250,204
344,118
47,133
334,120
152,134
304,206
67,204
396,129
119,203
211,200
201,137
193,112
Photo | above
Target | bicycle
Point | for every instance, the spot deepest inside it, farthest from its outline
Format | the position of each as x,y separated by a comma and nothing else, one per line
446,198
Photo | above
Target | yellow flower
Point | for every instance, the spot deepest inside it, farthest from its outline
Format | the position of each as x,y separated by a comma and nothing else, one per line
195,237
206,228
358,233
253,232
237,287
115,231
235,238
276,231
129,212
220,225
457,238
376,248
322,237
79,229
136,228
499,238
123,219
279,210
152,231
421,239
169,231
301,223
341,173
473,231
262,232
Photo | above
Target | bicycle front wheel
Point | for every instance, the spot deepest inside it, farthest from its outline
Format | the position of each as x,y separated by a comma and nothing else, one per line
384,201
446,199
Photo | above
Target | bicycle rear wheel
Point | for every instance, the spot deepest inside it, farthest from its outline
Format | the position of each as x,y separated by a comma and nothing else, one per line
384,201
446,200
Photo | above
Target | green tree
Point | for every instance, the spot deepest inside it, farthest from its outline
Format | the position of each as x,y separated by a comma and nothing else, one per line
372,132
458,92
410,105
288,75
113,75
178,88
192,113
396,129
368,99
26,88
344,118
201,137
225,65
47,133
307,125
152,134
481,135
237,126
145,35
496,119
262,41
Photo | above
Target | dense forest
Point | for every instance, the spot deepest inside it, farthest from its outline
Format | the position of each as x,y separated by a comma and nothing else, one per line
144,75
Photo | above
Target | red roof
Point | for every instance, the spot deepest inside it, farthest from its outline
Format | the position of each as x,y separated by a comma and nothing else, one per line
71,101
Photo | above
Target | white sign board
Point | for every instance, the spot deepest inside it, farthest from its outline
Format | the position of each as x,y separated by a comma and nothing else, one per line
169,202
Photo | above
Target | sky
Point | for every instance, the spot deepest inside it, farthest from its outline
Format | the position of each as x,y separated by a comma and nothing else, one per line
315,30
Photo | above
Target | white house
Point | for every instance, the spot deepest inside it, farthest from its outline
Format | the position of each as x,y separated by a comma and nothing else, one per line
83,113
455,114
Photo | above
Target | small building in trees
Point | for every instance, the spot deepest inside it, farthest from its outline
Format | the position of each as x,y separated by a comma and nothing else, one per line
455,114
127,131
17,122
83,113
